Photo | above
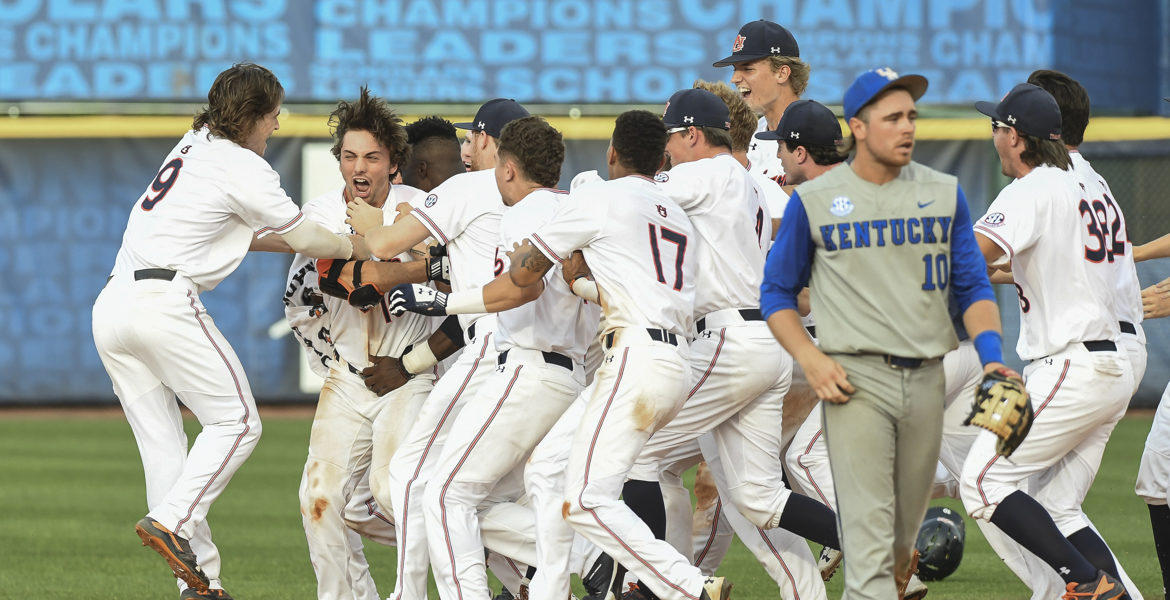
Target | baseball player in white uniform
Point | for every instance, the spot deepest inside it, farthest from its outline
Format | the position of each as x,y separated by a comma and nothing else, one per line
355,431
1078,380
636,241
739,373
770,75
540,370
464,214
213,196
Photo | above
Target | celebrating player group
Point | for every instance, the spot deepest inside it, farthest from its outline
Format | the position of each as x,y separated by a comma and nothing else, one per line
515,376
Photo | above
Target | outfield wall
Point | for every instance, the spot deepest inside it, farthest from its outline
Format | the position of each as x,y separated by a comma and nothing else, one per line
67,183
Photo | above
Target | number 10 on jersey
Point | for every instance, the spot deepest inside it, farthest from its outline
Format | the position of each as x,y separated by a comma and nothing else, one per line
937,271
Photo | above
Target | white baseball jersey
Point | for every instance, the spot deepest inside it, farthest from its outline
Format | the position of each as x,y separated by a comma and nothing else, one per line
358,334
464,213
1065,290
762,156
733,227
199,214
635,239
774,197
557,321
1127,290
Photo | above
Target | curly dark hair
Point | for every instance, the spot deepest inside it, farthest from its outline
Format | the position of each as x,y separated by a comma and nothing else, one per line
537,148
1072,99
639,139
370,113
433,126
240,96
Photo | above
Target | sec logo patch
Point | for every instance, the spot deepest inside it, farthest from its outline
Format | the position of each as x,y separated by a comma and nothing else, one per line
431,200
662,177
994,219
841,206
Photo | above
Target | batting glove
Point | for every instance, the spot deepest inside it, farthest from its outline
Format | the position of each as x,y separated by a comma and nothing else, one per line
418,299
438,265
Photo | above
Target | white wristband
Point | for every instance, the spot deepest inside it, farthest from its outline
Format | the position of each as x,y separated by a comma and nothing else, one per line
586,288
419,359
466,302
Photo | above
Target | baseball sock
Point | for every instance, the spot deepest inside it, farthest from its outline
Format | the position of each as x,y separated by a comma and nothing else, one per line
1160,522
1026,522
645,499
1090,544
810,520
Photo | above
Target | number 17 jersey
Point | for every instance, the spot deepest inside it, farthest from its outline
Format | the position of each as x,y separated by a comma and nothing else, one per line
639,246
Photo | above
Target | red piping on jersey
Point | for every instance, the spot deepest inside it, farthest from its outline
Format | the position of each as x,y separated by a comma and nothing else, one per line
1051,395
239,438
1011,251
376,513
547,250
434,227
430,442
281,228
592,511
548,189
455,471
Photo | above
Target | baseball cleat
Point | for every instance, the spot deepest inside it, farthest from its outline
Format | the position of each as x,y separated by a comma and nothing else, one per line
1105,587
210,594
829,562
604,579
915,589
717,588
176,551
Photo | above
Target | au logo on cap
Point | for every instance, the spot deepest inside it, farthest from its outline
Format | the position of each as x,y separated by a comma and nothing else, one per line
738,45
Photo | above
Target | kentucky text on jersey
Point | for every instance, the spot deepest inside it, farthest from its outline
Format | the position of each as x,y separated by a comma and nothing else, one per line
863,234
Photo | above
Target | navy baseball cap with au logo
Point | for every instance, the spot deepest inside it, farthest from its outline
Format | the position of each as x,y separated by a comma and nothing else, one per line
759,39
1028,108
806,123
493,115
696,108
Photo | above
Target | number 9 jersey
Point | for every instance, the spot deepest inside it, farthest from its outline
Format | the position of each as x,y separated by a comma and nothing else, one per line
198,215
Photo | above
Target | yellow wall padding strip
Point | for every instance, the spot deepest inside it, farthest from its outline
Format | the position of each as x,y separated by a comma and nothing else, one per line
583,128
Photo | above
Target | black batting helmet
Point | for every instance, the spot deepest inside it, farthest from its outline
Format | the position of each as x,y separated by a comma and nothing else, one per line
940,543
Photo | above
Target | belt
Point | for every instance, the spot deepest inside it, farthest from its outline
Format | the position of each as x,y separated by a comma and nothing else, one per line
1127,327
812,331
164,274
658,335
470,333
901,362
748,314
552,358
1101,346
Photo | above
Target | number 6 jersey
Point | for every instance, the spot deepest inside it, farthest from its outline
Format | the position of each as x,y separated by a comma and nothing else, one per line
1060,261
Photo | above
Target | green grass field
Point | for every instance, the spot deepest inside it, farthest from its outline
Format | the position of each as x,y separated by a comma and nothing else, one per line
71,489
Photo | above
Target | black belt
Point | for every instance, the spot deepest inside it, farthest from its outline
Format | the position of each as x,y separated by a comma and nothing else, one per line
552,358
901,362
658,335
1101,346
748,314
164,274
470,333
1127,327
812,331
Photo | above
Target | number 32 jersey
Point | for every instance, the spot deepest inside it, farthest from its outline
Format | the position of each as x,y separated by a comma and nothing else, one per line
639,246
1066,290
198,215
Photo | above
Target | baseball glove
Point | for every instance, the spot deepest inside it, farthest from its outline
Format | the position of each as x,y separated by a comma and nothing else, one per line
1002,407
